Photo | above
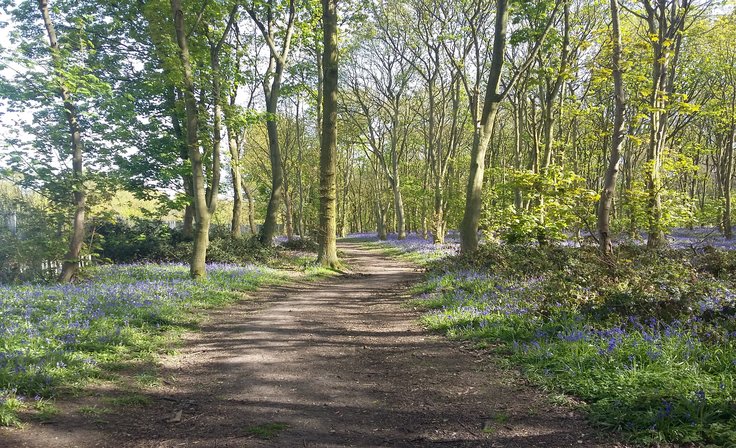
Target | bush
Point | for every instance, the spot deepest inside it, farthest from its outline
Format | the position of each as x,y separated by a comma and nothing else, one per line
647,340
124,241
149,240
35,241
300,244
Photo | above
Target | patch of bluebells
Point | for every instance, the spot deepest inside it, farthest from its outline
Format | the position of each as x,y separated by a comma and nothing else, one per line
58,333
414,244
690,363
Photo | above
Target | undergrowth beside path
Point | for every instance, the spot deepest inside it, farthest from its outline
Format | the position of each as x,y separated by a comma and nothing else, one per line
54,338
645,342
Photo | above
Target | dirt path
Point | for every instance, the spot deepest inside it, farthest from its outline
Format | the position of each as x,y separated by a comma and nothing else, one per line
331,364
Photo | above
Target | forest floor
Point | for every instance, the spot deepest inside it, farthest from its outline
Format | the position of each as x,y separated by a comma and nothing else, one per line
335,363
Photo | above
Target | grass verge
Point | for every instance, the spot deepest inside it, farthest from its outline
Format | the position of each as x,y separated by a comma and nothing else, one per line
646,341
55,338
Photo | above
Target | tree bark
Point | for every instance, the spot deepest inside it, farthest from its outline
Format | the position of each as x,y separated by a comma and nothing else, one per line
70,264
251,209
609,183
272,90
482,135
665,20
235,231
327,255
201,212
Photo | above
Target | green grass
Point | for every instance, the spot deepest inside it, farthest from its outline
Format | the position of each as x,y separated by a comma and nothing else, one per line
655,368
55,338
266,430
148,379
94,410
45,410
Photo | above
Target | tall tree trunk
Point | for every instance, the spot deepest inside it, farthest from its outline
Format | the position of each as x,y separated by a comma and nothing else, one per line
288,214
251,209
327,255
300,183
728,142
70,264
380,220
609,183
201,213
482,132
268,231
399,210
272,92
235,231
173,94
344,206
666,21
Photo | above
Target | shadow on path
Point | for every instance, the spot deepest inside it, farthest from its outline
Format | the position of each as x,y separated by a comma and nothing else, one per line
330,364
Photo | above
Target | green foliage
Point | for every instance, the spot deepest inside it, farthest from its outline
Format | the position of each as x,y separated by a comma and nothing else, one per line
57,337
9,407
557,202
35,239
140,239
645,340
130,241
267,430
300,244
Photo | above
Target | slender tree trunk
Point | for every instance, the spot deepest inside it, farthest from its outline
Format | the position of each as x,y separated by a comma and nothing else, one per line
342,228
399,210
729,140
665,20
482,134
395,180
300,183
235,172
272,92
70,264
609,183
380,221
268,231
201,213
188,222
288,214
327,255
251,209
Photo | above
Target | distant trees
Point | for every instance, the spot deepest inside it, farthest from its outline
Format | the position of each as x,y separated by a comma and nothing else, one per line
496,117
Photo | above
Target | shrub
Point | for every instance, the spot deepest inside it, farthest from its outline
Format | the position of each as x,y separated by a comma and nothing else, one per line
647,340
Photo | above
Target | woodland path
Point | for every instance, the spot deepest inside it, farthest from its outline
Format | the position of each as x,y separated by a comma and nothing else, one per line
340,363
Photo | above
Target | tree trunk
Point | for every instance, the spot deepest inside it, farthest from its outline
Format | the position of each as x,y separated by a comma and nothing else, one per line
235,231
251,209
665,20
399,210
300,183
268,231
609,183
70,264
327,255
272,90
288,214
482,135
235,172
201,213
188,222
380,221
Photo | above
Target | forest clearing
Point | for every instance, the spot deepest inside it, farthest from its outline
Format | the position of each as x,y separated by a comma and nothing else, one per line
491,223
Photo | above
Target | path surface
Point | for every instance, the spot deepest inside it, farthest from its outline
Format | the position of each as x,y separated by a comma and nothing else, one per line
340,363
